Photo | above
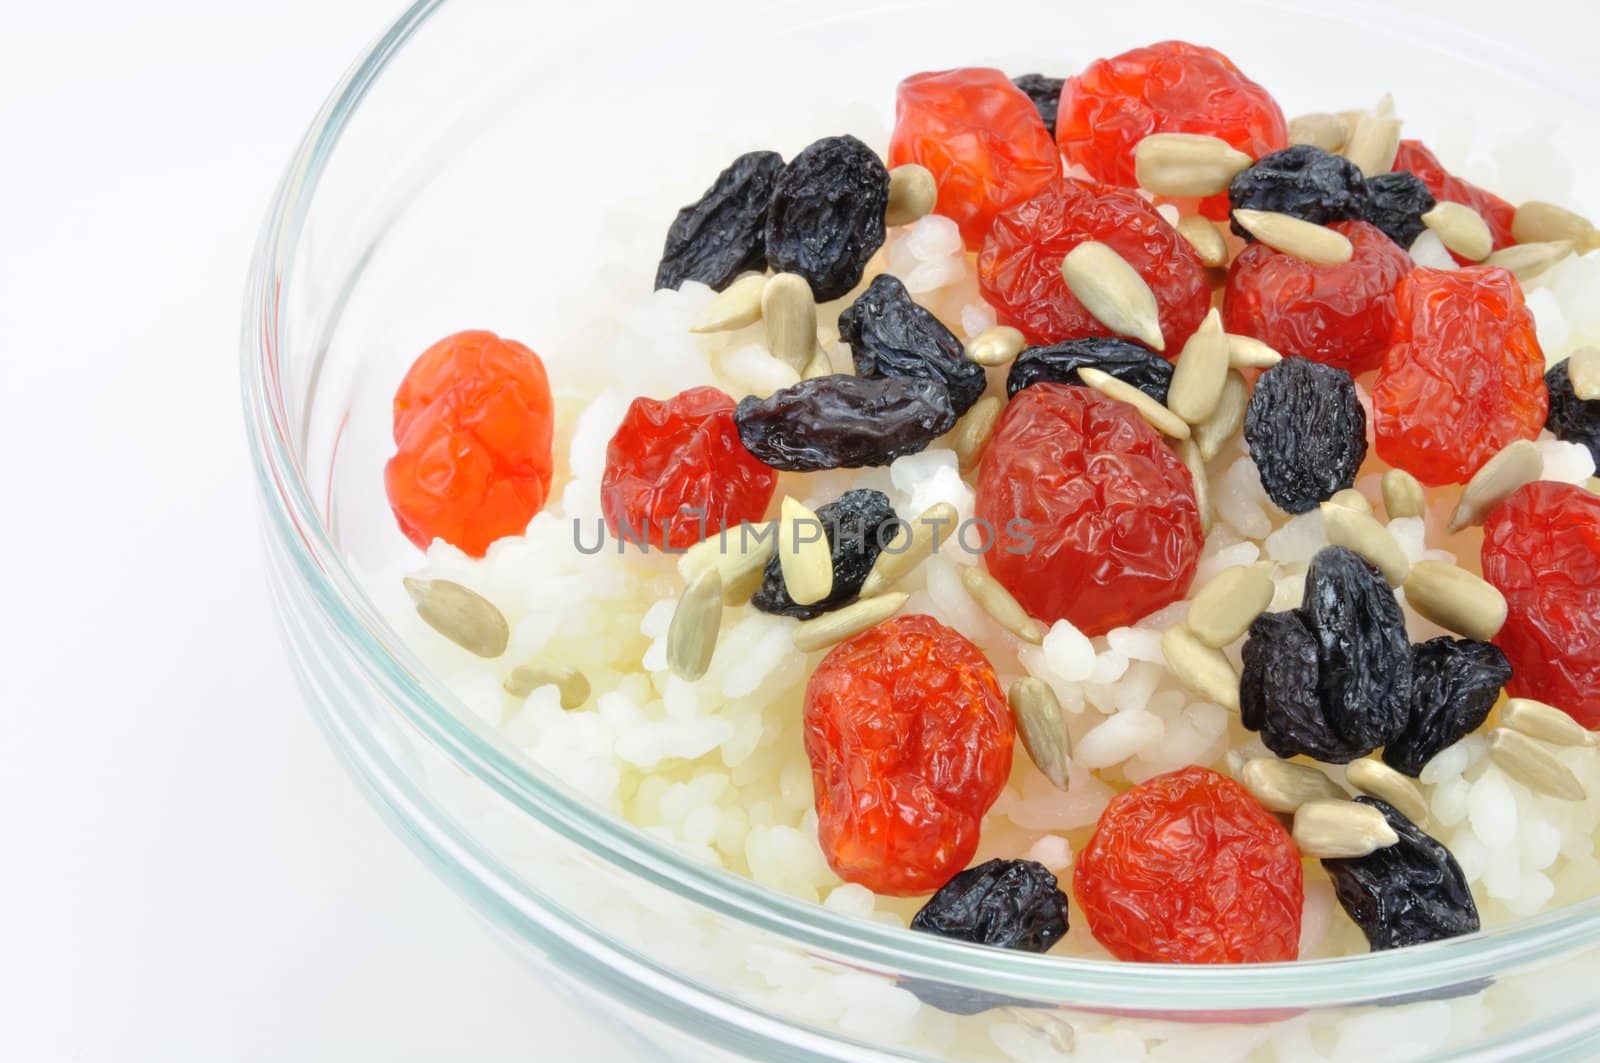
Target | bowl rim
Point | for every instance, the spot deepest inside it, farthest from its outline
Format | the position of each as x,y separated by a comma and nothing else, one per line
366,638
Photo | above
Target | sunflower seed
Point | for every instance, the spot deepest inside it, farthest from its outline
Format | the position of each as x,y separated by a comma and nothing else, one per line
1336,830
820,365
853,619
1041,728
971,433
692,635
1316,244
1533,764
1224,422
1283,786
461,615
1536,223
1186,164
1374,143
1461,229
1247,352
995,600
1516,464
572,684
1206,239
923,536
1195,462
737,305
996,345
1402,495
1160,418
1377,779
1200,668
912,193
804,556
1350,498
1455,599
1526,261
1326,131
1545,722
1362,533
790,312
1222,610
739,555
1583,369
1112,290
1200,372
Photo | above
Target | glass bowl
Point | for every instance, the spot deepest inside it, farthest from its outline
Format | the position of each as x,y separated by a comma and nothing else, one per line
478,168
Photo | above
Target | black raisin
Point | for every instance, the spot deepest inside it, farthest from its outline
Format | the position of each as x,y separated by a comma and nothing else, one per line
826,216
1007,904
1045,92
1454,684
1571,419
844,422
1059,364
723,233
1306,431
1408,893
1396,203
890,335
858,525
1278,692
1303,182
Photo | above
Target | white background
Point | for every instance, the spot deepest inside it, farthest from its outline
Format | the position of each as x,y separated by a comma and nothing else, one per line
187,874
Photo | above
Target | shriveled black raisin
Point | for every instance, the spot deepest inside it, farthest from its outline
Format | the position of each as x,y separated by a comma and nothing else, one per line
1045,92
1008,904
1059,364
723,233
1570,418
1306,431
858,525
844,422
890,335
1454,684
826,216
1278,692
1396,203
1408,893
1303,182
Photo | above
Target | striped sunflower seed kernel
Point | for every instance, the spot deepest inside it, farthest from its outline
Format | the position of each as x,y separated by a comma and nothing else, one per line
1533,764
1283,786
1247,352
1186,164
1200,372
1374,143
1114,293
998,602
1544,722
572,686
1221,611
1195,462
925,534
1350,498
1362,533
1158,416
1583,369
1537,222
1403,495
1516,464
737,305
912,194
1341,830
1455,599
1461,229
692,634
1376,779
1040,726
1226,420
790,312
1200,668
1330,132
804,556
1312,243
996,345
739,555
973,431
1206,239
829,628
461,615
1527,261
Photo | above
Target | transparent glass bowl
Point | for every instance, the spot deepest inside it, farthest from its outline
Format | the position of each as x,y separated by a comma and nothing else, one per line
462,175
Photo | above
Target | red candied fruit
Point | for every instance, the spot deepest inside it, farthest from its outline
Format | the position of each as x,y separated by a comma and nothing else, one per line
676,471
1188,868
1463,376
1019,268
1095,518
980,137
1417,159
1541,548
910,741
1340,315
473,420
1171,87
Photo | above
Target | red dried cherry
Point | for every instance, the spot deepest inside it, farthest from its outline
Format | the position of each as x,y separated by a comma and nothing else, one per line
910,743
1188,868
1463,376
1416,158
1095,518
473,423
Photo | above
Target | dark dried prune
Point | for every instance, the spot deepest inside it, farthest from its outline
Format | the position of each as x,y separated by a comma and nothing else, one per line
1570,418
1396,203
858,525
826,216
1454,684
1408,893
1045,92
1059,364
1278,692
890,335
844,422
1303,182
1306,431
1007,904
723,233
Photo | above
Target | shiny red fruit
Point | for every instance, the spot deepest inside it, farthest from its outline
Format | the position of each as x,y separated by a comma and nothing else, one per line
1463,376
1341,315
980,137
1187,867
1417,159
473,421
910,738
1019,268
676,471
1541,548
1095,518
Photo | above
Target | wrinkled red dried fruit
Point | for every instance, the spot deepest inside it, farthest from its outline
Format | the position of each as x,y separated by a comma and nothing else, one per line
1415,158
